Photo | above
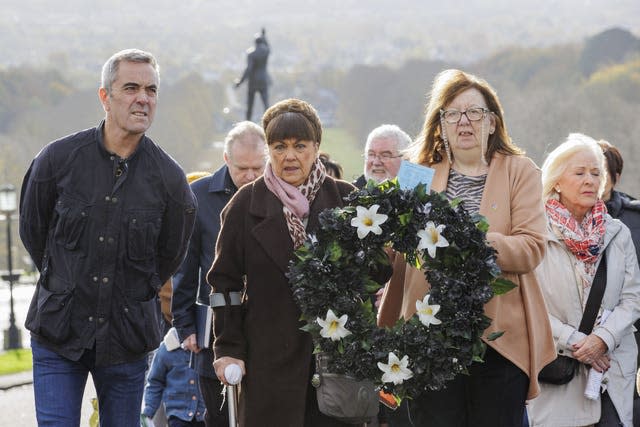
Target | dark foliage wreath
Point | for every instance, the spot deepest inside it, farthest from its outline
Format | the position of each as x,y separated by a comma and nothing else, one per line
333,271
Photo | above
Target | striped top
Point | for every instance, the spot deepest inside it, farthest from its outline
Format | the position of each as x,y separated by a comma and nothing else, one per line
466,188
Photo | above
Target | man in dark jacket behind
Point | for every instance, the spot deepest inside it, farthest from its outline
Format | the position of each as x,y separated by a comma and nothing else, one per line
627,209
106,216
245,158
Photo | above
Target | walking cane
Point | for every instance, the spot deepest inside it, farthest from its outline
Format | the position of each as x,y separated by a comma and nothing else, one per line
233,375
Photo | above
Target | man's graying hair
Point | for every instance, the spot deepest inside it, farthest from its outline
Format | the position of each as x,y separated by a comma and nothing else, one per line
392,132
110,68
240,130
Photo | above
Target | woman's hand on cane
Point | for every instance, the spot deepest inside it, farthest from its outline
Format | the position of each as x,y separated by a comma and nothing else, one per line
221,364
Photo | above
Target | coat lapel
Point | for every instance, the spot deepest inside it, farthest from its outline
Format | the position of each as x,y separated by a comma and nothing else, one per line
271,230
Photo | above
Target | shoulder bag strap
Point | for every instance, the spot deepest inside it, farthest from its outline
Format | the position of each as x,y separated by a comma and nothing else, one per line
595,297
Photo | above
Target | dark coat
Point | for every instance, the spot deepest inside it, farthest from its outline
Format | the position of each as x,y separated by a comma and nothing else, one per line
360,182
254,245
105,234
189,283
626,209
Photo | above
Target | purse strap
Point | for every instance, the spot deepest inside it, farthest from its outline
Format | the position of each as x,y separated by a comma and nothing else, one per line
595,297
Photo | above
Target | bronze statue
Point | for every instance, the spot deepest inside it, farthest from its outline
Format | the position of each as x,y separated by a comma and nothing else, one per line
256,73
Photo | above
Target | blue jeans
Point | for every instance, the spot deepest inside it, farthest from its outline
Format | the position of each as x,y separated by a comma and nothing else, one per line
58,385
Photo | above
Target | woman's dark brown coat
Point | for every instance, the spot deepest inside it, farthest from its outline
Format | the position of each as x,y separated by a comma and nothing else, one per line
254,247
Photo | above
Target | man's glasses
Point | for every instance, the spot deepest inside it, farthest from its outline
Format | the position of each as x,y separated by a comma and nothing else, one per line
384,157
473,114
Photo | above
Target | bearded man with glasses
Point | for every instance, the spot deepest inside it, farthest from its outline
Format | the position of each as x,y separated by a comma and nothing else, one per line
383,154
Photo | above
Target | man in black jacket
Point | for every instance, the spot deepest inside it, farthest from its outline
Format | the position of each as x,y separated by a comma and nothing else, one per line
245,158
627,209
106,216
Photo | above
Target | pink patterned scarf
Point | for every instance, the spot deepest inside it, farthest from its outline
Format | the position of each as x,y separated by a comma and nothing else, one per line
586,239
296,200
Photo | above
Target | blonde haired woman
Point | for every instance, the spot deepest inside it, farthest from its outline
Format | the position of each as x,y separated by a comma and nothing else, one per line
580,235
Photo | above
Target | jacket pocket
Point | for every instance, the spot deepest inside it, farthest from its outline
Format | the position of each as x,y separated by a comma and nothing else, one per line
54,304
72,217
143,231
137,324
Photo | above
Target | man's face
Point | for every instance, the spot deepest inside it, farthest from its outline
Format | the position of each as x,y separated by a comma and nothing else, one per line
382,160
131,105
245,161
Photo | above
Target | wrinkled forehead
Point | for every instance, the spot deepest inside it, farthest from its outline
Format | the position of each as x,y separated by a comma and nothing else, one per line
383,144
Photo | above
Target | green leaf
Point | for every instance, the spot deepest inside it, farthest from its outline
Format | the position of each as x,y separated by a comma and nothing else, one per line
340,347
495,335
405,218
371,286
421,191
502,286
335,251
483,225
309,327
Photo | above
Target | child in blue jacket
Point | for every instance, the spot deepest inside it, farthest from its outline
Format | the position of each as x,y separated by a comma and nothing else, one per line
171,381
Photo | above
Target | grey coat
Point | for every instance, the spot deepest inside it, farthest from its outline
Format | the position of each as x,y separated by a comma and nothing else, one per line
565,405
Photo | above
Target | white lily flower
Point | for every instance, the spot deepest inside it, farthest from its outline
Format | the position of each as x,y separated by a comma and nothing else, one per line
396,371
427,313
332,326
368,220
431,238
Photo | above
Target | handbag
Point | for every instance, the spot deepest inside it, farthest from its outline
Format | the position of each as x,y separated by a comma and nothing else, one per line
343,397
562,369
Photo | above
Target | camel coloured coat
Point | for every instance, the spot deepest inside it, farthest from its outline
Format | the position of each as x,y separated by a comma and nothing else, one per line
512,204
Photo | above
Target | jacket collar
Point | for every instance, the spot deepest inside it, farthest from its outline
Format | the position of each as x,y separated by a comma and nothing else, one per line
221,182
614,204
271,225
99,133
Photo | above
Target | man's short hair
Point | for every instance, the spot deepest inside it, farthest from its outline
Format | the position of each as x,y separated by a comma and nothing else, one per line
392,132
240,130
110,68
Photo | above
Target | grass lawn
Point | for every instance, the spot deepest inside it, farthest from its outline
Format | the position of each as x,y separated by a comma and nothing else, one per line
12,361
345,149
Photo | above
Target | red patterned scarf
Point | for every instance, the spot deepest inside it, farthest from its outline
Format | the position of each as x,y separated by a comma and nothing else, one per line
296,200
586,239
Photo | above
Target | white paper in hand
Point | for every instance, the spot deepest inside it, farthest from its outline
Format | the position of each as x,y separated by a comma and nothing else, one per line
233,374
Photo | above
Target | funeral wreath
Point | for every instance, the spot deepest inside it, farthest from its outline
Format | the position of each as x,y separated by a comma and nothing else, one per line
332,278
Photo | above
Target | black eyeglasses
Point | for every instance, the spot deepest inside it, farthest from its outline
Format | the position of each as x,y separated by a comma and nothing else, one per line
473,114
383,157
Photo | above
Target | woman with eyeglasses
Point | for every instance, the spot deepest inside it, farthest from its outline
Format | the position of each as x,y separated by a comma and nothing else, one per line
464,138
